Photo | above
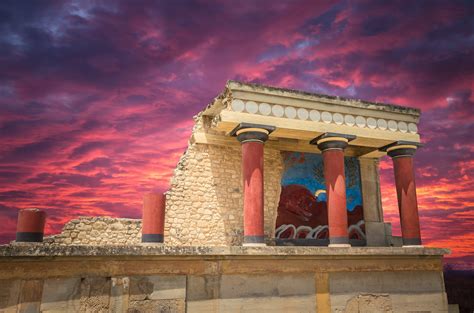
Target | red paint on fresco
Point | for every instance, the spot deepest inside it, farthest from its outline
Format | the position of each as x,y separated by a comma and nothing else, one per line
299,207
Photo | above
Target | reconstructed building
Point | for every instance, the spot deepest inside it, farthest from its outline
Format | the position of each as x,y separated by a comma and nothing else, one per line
274,206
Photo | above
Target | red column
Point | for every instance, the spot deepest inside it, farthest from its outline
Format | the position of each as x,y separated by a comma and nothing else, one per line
336,196
402,157
153,222
252,140
332,146
30,225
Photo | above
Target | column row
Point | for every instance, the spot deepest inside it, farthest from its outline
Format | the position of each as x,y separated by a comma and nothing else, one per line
331,145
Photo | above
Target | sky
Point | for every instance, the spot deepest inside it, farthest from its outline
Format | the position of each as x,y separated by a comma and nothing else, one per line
97,98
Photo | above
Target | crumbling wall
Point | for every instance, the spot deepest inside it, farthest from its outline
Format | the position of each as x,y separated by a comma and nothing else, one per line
205,201
98,231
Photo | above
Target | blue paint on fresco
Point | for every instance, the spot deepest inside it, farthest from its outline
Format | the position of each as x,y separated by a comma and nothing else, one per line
307,169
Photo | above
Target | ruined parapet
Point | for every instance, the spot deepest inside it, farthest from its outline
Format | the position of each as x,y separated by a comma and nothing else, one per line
97,231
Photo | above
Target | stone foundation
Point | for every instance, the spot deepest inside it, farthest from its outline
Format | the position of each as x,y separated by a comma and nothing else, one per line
35,277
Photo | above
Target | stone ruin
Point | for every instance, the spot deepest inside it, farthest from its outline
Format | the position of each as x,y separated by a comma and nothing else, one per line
275,205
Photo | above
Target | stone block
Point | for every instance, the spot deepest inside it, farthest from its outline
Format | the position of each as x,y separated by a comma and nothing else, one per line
158,287
30,296
119,294
420,290
251,293
163,306
375,232
9,295
95,294
61,295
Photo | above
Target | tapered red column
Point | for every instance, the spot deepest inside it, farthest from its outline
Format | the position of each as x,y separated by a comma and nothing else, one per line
30,225
402,157
332,147
153,222
252,139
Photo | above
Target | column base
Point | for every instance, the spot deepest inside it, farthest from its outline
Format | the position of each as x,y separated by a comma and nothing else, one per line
411,241
152,244
248,239
339,245
254,244
152,238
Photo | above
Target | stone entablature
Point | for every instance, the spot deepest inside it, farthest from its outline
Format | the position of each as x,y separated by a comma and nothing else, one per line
305,114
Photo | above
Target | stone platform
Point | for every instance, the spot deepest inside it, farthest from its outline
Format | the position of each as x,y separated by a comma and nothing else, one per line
143,278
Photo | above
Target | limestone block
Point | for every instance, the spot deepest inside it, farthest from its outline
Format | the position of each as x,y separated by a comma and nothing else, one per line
30,297
420,290
95,294
158,287
369,303
375,232
9,295
251,293
165,306
119,294
61,295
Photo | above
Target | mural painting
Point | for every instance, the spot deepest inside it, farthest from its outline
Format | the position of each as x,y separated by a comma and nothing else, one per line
302,211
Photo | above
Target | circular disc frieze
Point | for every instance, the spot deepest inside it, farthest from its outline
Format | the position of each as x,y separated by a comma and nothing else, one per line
302,114
264,108
290,112
326,117
371,123
403,127
382,124
338,118
412,128
277,110
360,121
392,125
251,107
237,105
349,120
314,115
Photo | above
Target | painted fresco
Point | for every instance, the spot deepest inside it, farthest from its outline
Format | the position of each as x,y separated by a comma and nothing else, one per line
302,211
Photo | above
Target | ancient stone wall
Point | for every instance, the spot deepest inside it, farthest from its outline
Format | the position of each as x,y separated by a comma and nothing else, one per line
205,201
35,278
98,231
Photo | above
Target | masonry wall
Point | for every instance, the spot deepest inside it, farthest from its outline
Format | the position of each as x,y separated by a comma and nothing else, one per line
231,282
96,231
205,200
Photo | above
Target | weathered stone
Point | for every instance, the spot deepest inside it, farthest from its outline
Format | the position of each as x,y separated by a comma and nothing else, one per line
61,295
30,297
9,295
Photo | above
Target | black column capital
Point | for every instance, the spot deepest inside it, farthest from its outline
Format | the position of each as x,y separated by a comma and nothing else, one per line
401,148
328,141
247,132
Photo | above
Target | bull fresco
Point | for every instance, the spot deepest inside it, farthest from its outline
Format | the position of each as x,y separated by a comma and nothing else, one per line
302,210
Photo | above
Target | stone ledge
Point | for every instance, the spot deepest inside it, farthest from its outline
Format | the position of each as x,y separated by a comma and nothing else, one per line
41,250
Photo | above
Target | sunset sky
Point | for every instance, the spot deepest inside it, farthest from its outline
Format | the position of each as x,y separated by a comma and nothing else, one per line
97,98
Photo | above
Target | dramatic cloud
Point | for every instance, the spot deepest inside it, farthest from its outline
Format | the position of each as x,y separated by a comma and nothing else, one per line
97,99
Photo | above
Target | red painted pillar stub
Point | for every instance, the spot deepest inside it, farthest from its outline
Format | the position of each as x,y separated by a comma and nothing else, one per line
253,139
30,225
332,147
402,157
153,221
